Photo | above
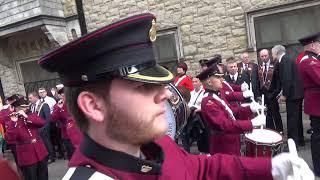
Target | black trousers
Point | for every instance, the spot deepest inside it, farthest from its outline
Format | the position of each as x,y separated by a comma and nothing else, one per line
294,120
69,148
12,147
273,115
38,171
315,143
45,135
55,136
185,139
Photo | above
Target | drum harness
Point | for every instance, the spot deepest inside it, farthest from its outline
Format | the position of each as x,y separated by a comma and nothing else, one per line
227,108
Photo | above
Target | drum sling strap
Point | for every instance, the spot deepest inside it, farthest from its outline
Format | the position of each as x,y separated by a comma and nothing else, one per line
84,173
179,80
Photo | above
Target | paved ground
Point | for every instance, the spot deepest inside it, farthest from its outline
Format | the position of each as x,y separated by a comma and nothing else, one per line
59,168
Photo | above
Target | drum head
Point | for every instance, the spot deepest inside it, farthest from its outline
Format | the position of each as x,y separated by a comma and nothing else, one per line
264,136
171,121
179,111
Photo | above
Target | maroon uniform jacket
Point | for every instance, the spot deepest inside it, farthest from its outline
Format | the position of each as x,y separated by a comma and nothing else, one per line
232,93
225,129
165,160
7,171
8,126
309,70
60,114
185,81
74,133
69,130
30,148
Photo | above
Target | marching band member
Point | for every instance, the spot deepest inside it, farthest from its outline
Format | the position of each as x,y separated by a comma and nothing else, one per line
8,124
309,69
69,135
31,152
182,79
221,117
232,92
117,95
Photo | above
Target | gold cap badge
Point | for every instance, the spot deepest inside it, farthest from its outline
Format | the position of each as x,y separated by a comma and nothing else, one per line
153,31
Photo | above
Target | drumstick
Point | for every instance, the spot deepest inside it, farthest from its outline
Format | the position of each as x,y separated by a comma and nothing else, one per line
293,151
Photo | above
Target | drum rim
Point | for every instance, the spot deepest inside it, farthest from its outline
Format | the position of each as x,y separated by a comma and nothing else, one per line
178,131
263,143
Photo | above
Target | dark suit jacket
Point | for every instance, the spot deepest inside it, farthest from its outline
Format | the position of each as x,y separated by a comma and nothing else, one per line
240,79
44,112
253,76
289,77
275,86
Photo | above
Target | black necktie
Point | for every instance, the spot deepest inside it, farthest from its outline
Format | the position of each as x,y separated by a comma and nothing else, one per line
265,71
33,107
232,79
246,66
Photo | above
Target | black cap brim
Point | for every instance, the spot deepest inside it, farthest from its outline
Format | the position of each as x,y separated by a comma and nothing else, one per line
155,74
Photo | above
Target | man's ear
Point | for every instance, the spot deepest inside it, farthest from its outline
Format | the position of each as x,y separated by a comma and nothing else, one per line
92,106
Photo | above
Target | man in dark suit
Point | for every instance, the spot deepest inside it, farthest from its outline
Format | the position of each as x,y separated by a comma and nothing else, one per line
42,109
250,68
292,93
270,87
233,76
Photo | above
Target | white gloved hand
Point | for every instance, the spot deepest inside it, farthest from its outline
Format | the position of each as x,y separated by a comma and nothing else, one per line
260,120
282,168
244,87
254,107
247,94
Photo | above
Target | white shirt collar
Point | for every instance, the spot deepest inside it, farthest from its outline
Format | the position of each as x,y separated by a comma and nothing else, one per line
235,76
244,65
266,63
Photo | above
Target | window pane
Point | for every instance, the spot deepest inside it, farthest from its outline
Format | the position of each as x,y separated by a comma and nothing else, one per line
298,24
165,48
286,27
268,31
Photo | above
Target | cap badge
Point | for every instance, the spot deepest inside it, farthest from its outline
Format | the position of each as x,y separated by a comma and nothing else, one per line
84,77
146,168
153,31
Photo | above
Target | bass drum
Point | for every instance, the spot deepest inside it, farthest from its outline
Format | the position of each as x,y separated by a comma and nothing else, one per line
176,113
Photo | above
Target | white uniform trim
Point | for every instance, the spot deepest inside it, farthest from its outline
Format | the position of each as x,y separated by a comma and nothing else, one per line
179,80
95,176
226,83
306,57
69,173
99,176
227,108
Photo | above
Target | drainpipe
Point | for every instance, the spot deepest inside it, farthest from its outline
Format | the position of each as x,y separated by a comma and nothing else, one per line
81,17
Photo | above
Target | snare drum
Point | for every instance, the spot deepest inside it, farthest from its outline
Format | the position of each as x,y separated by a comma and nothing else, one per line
177,114
263,143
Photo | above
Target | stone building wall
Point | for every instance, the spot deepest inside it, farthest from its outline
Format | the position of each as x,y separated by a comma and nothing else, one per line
29,41
69,7
13,50
12,11
206,26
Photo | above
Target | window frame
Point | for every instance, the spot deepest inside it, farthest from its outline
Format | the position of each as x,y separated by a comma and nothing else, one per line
251,15
175,30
